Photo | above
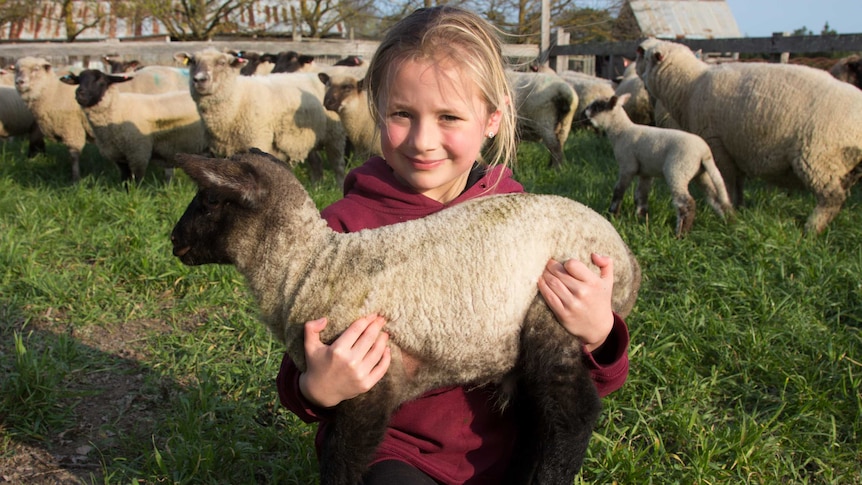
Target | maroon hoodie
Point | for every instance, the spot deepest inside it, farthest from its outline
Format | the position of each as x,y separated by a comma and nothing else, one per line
453,434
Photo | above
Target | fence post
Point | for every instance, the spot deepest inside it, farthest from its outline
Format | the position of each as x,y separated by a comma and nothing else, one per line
784,57
560,63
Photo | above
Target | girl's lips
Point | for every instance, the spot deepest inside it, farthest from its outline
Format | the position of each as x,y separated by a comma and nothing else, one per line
424,164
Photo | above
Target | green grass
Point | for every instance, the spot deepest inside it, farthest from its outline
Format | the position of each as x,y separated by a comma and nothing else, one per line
746,355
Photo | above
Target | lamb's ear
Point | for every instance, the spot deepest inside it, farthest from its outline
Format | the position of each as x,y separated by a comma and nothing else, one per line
231,178
360,85
658,56
623,98
324,78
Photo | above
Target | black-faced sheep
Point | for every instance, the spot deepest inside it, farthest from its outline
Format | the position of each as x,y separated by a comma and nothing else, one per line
438,282
282,114
130,129
53,105
783,123
118,66
546,106
648,151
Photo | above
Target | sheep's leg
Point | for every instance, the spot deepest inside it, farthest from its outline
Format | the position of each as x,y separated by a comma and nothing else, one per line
556,149
623,182
733,178
358,428
315,166
557,403
642,196
685,210
75,159
37,141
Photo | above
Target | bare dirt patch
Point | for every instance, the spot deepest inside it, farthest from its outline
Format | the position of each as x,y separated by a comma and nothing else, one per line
108,403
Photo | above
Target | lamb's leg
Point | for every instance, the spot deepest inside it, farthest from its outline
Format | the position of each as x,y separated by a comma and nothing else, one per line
75,158
642,196
623,181
354,434
557,404
685,210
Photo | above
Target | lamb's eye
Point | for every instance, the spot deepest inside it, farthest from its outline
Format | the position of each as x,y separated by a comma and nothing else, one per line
212,199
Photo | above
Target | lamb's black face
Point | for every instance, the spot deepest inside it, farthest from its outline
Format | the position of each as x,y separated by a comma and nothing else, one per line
598,106
198,237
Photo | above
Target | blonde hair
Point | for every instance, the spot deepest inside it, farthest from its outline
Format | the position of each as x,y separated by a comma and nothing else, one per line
447,32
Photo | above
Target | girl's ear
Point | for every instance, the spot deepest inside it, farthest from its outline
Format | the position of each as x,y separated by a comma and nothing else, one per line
494,120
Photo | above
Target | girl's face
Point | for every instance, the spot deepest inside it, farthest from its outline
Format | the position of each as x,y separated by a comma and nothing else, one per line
434,124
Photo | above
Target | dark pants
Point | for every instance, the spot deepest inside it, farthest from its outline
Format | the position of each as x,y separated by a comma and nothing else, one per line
394,472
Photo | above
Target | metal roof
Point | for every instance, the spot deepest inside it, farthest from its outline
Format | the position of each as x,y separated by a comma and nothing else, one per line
690,19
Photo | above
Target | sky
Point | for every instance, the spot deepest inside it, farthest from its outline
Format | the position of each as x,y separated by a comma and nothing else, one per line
760,18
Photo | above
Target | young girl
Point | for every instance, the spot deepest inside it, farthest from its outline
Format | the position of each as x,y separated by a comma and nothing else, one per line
438,90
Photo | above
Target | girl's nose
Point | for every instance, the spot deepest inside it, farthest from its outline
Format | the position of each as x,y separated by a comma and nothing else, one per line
424,135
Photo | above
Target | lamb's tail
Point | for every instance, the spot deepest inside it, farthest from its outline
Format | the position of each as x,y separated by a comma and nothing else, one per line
716,189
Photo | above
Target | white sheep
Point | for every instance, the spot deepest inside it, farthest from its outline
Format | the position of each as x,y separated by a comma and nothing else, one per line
16,120
282,114
783,123
648,151
347,96
156,79
53,106
457,289
546,106
588,88
130,129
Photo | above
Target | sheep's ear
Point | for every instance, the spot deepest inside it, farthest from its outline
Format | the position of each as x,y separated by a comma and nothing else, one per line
70,79
360,85
231,178
658,56
183,58
118,78
623,98
324,78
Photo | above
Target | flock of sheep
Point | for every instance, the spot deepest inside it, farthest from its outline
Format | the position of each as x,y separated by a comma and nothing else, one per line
788,124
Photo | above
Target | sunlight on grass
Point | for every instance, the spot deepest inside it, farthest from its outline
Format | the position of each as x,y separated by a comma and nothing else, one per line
746,355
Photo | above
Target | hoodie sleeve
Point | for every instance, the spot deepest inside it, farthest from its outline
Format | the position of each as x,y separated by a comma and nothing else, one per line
609,364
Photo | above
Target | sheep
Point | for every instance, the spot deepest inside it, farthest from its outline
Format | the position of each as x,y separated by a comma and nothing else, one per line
588,88
546,107
783,123
7,78
258,64
347,96
849,70
17,120
53,105
648,151
445,305
132,128
282,114
156,79
117,66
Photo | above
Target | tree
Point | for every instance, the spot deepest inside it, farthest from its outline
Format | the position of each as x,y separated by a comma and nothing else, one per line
321,16
195,19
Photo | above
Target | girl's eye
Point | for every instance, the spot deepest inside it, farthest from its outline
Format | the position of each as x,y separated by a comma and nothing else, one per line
401,114
449,118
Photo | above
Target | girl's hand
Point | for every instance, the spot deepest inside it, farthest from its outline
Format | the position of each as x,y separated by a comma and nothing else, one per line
348,367
580,298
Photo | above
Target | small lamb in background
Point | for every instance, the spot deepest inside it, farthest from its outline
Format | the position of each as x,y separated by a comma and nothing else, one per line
476,322
648,151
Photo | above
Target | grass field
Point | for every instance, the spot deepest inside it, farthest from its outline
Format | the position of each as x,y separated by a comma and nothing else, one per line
121,365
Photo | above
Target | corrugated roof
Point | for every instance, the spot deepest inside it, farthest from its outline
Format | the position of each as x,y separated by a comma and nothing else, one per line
691,19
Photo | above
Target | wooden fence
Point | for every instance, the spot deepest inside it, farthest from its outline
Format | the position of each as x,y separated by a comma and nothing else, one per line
600,58
779,47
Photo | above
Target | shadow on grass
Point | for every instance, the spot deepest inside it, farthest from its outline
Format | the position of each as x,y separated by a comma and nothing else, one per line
84,405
